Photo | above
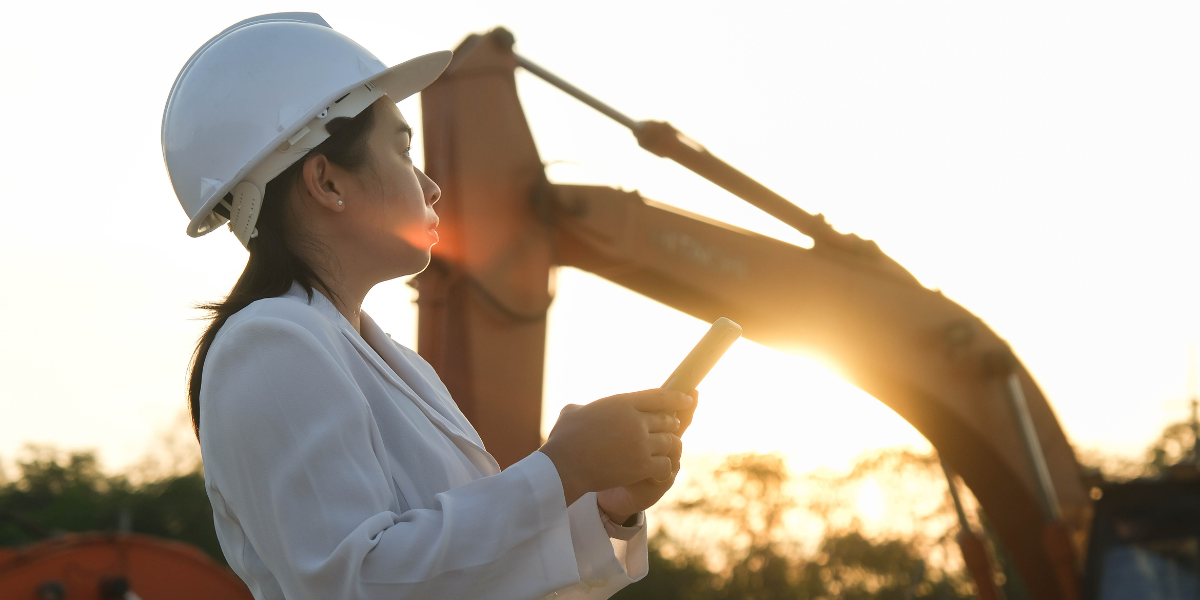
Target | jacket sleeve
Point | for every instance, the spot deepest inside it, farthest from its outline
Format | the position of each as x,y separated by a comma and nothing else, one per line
607,561
291,448
606,564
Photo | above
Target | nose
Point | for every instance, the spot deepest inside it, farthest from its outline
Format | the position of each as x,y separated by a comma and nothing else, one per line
432,192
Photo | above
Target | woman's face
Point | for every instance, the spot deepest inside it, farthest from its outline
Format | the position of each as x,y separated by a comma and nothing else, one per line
388,216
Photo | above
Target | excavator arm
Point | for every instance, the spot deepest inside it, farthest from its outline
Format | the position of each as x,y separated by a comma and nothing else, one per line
482,306
935,364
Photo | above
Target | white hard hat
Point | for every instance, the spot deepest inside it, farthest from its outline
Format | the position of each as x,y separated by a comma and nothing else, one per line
255,99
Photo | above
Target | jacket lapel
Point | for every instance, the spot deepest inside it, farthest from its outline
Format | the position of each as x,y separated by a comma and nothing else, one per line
388,373
470,445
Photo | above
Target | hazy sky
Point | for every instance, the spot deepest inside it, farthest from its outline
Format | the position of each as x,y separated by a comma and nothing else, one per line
1038,164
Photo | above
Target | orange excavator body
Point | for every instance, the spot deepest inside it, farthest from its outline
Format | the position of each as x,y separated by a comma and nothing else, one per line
104,566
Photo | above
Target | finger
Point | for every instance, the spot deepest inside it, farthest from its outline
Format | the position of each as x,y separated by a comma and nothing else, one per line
661,400
676,454
685,416
660,422
662,444
660,469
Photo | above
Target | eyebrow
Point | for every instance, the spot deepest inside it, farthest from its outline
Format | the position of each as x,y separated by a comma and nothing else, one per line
405,128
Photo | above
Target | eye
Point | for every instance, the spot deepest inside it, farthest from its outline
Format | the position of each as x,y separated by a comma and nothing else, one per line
407,152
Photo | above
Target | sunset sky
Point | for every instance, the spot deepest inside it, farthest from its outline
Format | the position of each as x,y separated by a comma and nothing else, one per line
1039,165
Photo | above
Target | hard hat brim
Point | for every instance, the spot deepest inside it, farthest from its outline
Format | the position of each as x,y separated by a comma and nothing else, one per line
398,82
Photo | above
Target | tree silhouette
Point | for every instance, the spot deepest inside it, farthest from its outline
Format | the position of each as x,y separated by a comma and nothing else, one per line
58,493
727,536
745,505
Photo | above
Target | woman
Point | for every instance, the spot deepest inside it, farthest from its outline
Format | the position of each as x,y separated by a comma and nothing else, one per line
337,464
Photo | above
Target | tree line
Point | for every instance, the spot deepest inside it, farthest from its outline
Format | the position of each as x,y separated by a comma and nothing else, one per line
725,535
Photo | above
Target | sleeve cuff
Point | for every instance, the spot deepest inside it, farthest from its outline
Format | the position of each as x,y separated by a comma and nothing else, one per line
604,562
549,502
543,476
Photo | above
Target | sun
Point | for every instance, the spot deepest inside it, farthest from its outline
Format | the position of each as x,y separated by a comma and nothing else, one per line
870,501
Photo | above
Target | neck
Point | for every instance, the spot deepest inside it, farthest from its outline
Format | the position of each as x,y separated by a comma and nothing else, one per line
341,271
347,299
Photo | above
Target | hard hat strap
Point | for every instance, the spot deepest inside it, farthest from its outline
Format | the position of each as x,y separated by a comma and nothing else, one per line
248,193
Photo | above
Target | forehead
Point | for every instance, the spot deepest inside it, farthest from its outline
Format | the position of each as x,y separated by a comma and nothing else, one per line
390,116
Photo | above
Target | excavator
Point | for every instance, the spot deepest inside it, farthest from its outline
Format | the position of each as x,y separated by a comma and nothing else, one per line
482,316
505,228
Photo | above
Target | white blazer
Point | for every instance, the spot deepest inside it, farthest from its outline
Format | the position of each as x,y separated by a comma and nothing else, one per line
339,468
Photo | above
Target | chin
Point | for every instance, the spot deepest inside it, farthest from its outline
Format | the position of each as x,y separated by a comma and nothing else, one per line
412,261
423,265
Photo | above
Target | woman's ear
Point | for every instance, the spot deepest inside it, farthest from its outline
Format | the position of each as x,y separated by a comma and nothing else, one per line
325,182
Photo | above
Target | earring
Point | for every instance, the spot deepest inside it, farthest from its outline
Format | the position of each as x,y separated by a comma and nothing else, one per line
339,202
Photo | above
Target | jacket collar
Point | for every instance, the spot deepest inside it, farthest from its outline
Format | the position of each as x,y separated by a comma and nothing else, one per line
319,302
381,358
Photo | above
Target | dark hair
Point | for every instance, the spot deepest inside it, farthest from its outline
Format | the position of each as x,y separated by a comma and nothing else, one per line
275,261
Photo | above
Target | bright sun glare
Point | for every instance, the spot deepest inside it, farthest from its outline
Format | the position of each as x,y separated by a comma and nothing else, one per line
755,400
870,501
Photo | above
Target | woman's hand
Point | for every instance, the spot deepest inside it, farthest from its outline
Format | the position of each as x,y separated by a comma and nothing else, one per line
620,503
617,441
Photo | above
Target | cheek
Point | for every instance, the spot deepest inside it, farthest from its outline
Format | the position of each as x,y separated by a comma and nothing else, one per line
405,215
416,234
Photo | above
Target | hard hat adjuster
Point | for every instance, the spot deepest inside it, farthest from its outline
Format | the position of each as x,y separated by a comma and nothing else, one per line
247,200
